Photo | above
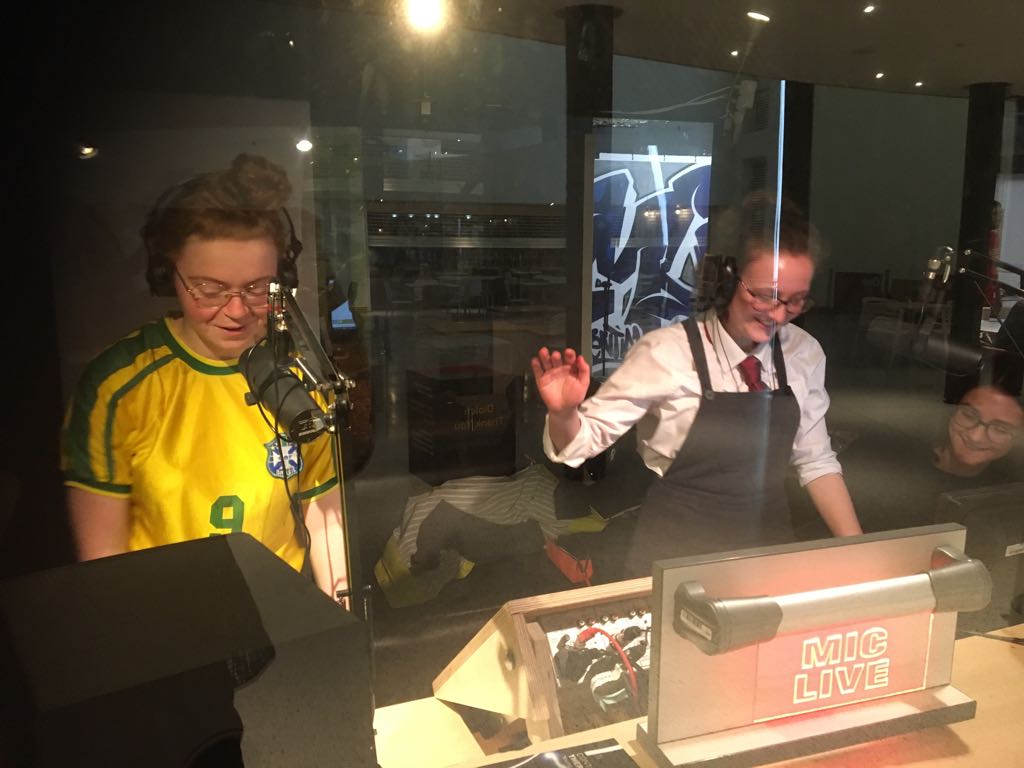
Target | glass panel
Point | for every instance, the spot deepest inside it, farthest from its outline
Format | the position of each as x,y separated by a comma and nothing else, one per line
472,198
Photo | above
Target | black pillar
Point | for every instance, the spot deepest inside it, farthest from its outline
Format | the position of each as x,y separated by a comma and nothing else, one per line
796,144
982,156
588,94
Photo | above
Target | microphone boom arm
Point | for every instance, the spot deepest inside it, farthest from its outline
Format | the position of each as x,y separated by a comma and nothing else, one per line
285,322
1006,286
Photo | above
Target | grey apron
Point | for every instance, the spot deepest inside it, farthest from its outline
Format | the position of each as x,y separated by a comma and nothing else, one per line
725,488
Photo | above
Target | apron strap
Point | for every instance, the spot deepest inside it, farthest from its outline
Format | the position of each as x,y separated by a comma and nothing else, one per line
780,363
700,361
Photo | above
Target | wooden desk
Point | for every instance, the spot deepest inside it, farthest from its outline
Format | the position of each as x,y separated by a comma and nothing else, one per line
428,734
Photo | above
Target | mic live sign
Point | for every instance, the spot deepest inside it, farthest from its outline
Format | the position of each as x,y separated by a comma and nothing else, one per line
808,671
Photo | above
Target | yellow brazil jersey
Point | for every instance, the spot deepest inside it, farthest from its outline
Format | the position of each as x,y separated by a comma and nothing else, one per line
156,423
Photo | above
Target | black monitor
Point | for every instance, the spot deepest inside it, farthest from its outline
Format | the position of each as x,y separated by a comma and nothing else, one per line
994,518
205,653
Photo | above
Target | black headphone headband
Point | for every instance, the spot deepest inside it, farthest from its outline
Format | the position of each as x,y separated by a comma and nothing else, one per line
160,269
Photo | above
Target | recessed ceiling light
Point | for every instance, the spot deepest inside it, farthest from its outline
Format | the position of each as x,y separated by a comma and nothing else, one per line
734,53
426,16
757,16
869,8
918,84
879,75
86,152
304,145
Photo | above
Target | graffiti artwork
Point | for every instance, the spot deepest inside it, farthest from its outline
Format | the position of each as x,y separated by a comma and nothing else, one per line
650,232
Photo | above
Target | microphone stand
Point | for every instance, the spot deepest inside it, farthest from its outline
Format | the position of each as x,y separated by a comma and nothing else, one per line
286,323
293,343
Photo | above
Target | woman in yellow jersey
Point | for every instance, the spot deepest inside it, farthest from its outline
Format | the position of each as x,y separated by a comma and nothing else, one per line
159,445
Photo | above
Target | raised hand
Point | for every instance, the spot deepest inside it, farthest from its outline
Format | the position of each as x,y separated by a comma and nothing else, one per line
562,379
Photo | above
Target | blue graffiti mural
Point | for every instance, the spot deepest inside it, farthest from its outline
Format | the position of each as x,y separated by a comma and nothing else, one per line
650,232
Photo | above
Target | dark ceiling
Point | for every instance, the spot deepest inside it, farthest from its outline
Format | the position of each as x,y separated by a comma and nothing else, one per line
945,44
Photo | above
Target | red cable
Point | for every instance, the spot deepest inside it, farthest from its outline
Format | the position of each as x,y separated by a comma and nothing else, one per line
589,632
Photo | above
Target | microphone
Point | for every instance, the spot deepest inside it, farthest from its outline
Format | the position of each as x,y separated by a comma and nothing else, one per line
283,394
937,351
940,265
937,272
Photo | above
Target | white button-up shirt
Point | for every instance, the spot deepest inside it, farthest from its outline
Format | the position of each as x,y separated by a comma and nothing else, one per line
657,388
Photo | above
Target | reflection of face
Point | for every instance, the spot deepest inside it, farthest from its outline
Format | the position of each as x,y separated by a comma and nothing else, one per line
746,321
974,446
223,333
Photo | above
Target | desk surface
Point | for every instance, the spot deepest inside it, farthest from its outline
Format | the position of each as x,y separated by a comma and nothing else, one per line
428,734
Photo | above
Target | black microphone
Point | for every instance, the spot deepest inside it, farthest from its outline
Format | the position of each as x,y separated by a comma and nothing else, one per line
937,351
940,265
937,273
282,393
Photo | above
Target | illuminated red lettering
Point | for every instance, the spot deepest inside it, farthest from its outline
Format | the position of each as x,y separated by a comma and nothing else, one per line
842,664
874,642
848,678
853,646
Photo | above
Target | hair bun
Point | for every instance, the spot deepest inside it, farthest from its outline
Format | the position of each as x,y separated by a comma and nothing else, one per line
259,183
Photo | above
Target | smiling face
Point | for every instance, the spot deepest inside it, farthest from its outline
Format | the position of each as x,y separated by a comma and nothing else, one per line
751,322
983,427
223,333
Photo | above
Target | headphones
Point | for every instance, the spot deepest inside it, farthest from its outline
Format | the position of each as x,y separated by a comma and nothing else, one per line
719,276
160,269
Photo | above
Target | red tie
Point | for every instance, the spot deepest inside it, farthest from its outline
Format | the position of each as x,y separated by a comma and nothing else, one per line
750,370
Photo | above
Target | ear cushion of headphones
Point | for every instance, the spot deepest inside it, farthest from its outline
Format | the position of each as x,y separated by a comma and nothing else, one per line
287,273
160,280
159,274
727,285
287,269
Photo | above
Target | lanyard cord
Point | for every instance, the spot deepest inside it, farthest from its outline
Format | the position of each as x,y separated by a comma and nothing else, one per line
722,367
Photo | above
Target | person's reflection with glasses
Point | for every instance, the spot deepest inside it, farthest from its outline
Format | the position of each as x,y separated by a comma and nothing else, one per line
159,444
982,429
724,403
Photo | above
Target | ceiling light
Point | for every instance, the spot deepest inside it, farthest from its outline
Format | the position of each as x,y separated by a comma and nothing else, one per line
734,53
426,15
879,75
304,145
869,8
918,84
757,16
86,152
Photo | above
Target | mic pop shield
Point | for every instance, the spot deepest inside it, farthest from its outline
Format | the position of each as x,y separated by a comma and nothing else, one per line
281,393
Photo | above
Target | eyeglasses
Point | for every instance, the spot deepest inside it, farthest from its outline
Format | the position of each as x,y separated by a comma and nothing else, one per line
998,431
213,295
769,301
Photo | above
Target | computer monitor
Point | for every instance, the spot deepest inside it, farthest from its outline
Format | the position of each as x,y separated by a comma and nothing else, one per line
342,318
994,518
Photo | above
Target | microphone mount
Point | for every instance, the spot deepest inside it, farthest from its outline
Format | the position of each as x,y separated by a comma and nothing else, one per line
1005,286
1001,264
292,342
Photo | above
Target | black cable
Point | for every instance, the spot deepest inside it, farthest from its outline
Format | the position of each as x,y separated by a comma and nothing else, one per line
1014,640
294,502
